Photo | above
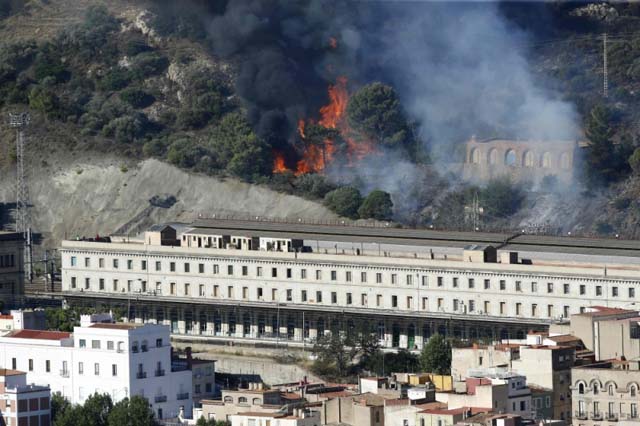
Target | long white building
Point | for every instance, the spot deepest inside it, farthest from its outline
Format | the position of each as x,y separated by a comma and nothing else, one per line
119,359
288,282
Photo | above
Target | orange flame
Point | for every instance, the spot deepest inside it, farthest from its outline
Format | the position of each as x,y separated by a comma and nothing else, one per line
332,116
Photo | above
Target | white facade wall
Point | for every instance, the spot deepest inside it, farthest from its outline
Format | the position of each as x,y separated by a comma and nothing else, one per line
105,360
367,282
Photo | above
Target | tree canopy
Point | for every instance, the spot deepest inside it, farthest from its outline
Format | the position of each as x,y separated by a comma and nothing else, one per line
345,201
375,112
132,411
436,355
376,205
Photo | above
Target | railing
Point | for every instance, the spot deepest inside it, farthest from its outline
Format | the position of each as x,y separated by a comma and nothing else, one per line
182,396
160,398
612,417
596,416
64,373
581,415
159,373
141,375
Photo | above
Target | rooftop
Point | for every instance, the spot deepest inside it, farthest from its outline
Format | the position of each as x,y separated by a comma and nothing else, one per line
601,311
117,326
456,411
39,334
7,372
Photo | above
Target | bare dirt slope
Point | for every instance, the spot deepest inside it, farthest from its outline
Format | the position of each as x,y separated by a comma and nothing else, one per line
103,195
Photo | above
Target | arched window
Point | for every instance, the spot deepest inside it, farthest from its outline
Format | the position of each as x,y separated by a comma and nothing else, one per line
581,388
545,162
228,399
257,401
633,390
242,400
493,156
564,161
475,155
527,159
610,390
596,390
510,158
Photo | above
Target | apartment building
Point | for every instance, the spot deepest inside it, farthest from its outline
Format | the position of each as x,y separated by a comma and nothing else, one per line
606,392
11,267
120,359
299,417
288,283
23,404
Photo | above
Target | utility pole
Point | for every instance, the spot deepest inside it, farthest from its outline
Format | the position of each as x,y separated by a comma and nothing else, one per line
605,76
23,222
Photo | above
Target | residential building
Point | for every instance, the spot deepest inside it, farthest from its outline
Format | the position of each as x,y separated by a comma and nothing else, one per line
607,392
447,416
18,319
299,417
23,404
11,267
358,410
119,359
287,283
254,399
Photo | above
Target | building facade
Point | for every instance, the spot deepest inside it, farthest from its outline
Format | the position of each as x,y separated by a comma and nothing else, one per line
23,404
119,359
606,393
406,288
11,267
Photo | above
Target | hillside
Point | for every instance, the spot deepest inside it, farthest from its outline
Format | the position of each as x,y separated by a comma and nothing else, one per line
230,108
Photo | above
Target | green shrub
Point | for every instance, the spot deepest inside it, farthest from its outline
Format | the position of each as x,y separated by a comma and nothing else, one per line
148,64
377,205
501,198
345,201
116,78
137,98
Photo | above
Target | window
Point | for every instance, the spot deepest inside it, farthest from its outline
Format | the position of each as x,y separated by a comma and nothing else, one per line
47,366
349,301
378,278
455,282
614,291
425,303
95,344
216,269
565,311
456,304
334,297
550,311
96,369
172,266
472,305
289,273
110,345
634,410
632,390
201,291
394,301
394,279
518,308
487,307
440,282
534,287
334,275
201,268
518,286
610,390
114,370
425,280
230,292
347,277
363,277
74,261
158,343
14,364
274,294
303,274
566,288
80,368
440,302
158,266
101,262
534,310
363,299
274,272
319,296
502,307
632,292
472,283
549,287
187,289
378,300
503,285
303,295
129,264
83,343
87,283
143,265
87,262
216,289
259,271
229,269
487,284
596,391
318,274
73,282
598,290
583,289
289,295
409,279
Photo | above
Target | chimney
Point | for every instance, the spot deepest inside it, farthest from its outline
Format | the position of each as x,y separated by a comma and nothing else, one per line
189,357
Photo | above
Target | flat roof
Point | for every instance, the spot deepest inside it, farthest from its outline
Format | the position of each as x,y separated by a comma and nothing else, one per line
116,326
420,237
39,334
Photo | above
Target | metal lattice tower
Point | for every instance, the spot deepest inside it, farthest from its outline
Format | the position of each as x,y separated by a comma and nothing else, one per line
23,222
605,76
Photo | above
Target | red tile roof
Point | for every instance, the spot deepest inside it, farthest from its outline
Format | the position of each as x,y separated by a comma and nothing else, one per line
6,316
6,372
40,334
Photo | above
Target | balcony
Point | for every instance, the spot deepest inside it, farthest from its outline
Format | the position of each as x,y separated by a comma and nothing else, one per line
596,416
64,373
612,417
160,398
141,375
144,348
159,373
182,396
580,415
134,349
